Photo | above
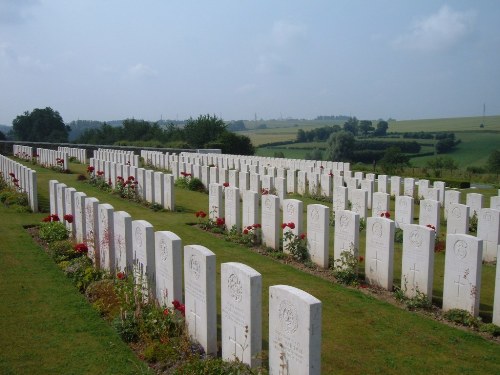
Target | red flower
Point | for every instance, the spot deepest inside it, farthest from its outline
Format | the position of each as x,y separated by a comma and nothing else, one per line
245,231
120,275
90,169
14,180
176,303
81,248
225,184
361,259
197,214
54,217
257,225
303,236
283,226
183,174
68,218
202,214
431,226
387,214
47,219
330,174
250,227
166,312
131,178
291,225
12,174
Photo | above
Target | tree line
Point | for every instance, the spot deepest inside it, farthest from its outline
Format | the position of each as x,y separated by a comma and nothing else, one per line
206,131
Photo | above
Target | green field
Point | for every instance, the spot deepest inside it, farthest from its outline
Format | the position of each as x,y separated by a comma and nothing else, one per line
475,147
360,335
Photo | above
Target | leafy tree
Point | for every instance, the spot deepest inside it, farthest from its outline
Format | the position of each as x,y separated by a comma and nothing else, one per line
351,125
394,160
446,145
301,135
494,162
279,154
203,130
365,126
231,143
41,125
381,129
2,136
340,146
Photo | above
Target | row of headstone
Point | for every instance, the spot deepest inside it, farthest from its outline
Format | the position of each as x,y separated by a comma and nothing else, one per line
20,178
23,152
51,158
117,156
153,187
117,243
79,154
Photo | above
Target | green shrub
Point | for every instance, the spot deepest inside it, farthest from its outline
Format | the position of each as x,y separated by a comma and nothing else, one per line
102,295
62,250
158,352
127,326
490,328
82,272
196,185
53,231
462,317
345,269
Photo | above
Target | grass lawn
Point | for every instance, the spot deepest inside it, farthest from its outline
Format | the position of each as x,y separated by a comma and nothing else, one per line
360,334
47,327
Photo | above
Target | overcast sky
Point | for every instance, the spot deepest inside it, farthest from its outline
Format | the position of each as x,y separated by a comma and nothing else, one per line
115,59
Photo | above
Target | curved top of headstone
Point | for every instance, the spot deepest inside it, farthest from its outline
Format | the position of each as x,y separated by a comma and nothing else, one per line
296,292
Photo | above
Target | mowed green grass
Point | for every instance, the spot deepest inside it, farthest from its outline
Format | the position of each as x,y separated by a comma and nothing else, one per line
46,326
360,334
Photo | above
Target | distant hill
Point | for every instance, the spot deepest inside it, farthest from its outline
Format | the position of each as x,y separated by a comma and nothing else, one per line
5,129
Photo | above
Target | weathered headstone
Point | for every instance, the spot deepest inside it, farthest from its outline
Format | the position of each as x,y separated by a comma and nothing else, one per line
91,229
80,216
241,313
250,208
215,207
359,199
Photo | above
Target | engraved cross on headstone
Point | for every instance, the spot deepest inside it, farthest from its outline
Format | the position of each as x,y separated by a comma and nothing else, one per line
458,284
376,259
414,271
236,344
196,316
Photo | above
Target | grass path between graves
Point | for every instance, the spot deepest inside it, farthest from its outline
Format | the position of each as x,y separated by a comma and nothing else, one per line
360,334
46,326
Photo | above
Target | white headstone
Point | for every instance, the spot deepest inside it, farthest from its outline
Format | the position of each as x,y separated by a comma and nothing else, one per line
488,229
295,332
91,229
346,233
379,255
270,221
232,208
241,313
318,233
381,203
200,296
215,207
168,262
430,214
339,198
123,241
462,273
250,208
458,218
106,237
404,211
475,202
417,272
359,200
143,247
